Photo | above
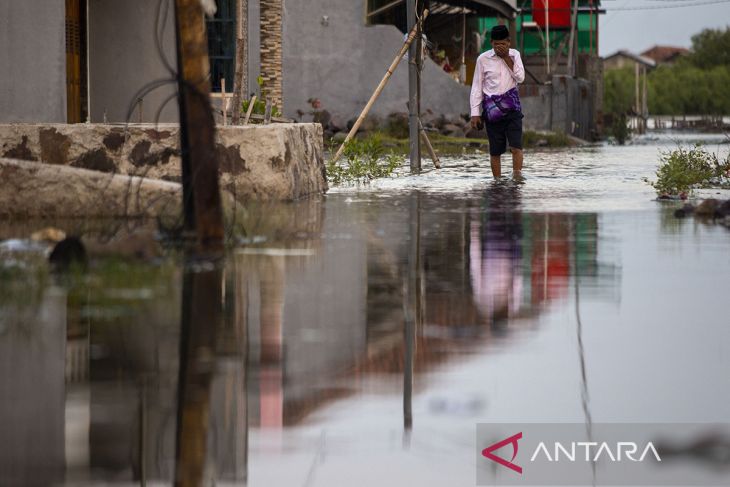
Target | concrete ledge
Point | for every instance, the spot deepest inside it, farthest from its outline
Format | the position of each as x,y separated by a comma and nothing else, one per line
257,162
36,190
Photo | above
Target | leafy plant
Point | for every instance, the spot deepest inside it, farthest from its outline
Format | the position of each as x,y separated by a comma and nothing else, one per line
365,160
620,128
682,170
259,107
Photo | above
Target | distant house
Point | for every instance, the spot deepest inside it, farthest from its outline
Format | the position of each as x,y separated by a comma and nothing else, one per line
624,59
663,55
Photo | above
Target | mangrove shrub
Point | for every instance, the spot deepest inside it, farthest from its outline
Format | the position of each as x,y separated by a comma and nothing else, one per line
364,160
683,169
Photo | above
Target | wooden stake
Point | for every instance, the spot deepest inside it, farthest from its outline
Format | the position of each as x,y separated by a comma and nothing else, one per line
267,111
429,147
224,104
250,110
379,89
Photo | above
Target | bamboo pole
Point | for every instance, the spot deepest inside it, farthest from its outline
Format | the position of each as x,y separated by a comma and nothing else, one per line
379,89
429,147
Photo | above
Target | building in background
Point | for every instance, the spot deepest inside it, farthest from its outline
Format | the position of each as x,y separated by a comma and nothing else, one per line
665,55
625,59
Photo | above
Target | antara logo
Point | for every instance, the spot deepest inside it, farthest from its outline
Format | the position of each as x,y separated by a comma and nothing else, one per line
487,452
571,452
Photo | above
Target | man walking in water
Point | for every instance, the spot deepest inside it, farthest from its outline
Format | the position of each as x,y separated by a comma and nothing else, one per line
495,100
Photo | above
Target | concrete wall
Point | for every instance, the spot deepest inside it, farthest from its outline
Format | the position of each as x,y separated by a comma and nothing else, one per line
536,100
257,162
565,106
341,63
33,60
123,58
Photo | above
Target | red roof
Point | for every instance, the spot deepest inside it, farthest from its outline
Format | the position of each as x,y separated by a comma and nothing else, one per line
664,54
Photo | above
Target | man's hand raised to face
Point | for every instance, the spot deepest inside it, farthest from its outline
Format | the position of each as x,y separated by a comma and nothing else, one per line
501,48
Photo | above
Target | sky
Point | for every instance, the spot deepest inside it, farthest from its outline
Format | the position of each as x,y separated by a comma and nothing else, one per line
638,30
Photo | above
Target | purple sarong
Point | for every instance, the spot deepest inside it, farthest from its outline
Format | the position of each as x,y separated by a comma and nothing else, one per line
497,106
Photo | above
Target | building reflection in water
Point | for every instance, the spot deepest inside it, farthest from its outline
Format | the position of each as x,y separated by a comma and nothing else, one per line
168,369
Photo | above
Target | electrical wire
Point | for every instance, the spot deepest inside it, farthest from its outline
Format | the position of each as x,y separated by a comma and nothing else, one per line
670,4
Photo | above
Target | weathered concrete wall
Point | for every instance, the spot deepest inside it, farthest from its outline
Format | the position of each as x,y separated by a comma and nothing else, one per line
536,101
565,106
257,162
33,60
123,58
341,63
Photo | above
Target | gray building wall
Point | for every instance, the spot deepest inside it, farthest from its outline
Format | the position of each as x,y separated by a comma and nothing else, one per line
254,45
123,58
33,57
342,62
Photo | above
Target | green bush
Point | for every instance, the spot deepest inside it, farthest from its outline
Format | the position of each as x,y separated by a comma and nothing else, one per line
365,160
620,129
259,108
682,170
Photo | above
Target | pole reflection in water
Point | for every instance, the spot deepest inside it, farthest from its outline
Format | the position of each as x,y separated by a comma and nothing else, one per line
201,318
212,413
412,311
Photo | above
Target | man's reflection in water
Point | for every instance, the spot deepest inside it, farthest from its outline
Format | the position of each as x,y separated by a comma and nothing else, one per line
496,255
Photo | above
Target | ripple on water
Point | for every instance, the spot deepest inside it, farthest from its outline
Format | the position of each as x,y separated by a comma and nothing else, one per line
591,178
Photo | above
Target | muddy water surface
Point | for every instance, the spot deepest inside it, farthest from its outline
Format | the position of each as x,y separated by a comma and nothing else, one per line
358,340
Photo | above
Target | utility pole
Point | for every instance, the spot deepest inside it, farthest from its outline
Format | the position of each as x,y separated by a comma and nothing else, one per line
240,83
413,102
201,191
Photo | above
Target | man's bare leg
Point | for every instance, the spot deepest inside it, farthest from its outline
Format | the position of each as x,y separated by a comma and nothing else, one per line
517,159
496,162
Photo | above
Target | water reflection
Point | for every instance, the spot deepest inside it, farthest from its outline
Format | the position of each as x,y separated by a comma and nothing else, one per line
178,370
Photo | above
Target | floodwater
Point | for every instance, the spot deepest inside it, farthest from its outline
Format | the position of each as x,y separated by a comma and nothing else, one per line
358,340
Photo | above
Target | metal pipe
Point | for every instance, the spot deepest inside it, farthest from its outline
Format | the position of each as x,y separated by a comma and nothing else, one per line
571,48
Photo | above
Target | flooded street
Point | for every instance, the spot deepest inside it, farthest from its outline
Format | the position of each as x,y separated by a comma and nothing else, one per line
359,339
